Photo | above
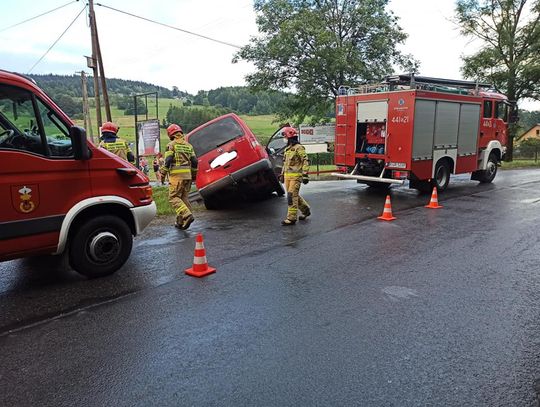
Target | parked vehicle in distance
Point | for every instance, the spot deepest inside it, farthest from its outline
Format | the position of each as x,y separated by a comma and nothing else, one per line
231,160
421,129
59,192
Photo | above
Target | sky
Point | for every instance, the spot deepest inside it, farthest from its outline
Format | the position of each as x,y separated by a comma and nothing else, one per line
139,50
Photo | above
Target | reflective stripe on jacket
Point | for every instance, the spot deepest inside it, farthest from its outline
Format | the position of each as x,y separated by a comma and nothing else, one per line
179,159
118,147
296,162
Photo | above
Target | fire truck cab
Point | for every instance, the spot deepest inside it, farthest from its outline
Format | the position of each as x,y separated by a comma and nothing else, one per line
421,129
59,192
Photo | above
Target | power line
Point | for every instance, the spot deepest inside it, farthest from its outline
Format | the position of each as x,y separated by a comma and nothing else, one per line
40,15
58,39
170,26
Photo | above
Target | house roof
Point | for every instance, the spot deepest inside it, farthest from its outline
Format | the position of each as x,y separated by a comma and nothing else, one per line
519,137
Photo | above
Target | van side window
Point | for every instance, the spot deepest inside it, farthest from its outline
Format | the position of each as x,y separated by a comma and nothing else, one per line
56,133
502,111
19,128
488,109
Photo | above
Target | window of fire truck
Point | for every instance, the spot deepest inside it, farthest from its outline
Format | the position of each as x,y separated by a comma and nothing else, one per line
502,111
56,132
19,127
488,109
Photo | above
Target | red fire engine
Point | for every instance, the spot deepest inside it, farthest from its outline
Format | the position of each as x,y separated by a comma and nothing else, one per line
421,129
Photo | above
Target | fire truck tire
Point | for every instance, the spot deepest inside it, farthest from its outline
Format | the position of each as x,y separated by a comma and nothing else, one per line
100,246
442,176
488,175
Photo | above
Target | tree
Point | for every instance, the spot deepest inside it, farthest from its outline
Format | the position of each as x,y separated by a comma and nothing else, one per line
316,46
509,31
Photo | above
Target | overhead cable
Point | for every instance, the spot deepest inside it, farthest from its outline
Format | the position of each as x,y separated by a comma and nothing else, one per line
58,39
40,15
170,26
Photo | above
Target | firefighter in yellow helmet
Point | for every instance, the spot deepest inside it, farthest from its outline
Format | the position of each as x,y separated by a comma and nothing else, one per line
181,166
111,142
293,174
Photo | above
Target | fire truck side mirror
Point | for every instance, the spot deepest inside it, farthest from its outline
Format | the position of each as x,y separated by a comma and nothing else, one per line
79,142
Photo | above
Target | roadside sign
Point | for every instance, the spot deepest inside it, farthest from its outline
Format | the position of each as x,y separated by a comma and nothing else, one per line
148,137
316,148
324,133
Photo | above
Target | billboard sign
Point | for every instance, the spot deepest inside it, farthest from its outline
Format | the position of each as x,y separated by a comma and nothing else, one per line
324,133
148,137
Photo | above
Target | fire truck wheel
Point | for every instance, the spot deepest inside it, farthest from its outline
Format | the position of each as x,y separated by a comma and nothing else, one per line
442,176
488,175
100,246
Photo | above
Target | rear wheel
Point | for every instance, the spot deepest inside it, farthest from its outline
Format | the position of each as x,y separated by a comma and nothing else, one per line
100,246
442,176
211,203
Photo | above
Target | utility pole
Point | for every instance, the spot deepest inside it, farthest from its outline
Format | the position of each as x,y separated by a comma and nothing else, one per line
97,66
86,107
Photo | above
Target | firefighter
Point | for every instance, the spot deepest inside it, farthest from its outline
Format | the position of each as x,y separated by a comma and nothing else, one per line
293,174
111,142
181,166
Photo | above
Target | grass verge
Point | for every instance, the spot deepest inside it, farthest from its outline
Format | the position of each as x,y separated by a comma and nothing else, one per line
519,164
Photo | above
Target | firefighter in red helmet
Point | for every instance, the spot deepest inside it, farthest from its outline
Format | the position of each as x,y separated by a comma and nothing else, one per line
181,166
111,142
293,174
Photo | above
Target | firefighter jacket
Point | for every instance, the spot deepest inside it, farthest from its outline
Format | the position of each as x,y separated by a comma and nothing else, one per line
180,160
296,162
119,147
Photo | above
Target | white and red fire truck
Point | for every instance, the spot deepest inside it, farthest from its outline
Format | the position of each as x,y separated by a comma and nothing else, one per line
421,129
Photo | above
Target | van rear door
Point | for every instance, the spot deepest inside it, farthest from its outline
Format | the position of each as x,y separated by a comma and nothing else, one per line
39,178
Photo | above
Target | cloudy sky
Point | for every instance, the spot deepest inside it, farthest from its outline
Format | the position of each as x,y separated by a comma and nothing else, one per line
135,49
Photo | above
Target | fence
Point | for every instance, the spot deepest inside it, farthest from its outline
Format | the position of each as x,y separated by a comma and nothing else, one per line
528,154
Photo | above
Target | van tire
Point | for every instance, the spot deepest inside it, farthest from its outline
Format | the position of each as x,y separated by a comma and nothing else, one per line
211,204
100,246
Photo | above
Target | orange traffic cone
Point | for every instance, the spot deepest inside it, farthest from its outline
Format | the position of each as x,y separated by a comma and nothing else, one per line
434,201
200,265
387,212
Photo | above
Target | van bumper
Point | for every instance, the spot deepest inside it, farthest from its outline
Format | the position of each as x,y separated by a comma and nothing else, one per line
143,215
231,179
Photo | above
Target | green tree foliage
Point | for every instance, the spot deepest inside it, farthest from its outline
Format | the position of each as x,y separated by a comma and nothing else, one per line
245,101
192,117
509,31
527,120
529,147
71,106
316,46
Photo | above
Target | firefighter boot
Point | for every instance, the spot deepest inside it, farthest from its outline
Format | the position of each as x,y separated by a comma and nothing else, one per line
305,214
187,222
288,222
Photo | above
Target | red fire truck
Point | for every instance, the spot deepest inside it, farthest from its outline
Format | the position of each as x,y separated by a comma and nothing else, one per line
421,129
58,192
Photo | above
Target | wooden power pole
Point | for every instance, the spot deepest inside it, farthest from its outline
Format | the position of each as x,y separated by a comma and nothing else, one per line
86,107
98,67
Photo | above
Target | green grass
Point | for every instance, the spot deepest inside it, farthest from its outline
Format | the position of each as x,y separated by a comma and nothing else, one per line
519,164
262,126
162,201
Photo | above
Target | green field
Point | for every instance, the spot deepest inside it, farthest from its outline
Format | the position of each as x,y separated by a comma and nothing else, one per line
261,126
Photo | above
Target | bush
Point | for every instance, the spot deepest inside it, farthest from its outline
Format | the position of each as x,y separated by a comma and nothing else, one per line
192,117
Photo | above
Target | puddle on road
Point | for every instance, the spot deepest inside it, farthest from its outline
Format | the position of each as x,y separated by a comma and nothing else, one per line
396,293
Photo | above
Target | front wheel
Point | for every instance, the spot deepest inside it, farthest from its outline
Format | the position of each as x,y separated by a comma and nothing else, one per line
100,246
488,175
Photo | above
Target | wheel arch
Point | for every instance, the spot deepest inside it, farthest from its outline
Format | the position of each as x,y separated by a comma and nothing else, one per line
449,161
494,146
92,207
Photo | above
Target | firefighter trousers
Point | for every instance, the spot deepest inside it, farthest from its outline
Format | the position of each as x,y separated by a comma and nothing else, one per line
178,198
294,200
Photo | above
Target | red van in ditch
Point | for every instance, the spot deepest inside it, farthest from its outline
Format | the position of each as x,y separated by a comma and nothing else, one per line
231,158
58,192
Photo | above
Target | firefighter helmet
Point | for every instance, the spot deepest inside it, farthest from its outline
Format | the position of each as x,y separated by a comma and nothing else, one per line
110,127
289,132
173,129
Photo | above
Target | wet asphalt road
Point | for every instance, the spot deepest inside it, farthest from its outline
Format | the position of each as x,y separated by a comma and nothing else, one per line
440,307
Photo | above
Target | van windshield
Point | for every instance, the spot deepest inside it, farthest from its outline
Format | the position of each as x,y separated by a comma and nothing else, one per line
215,135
